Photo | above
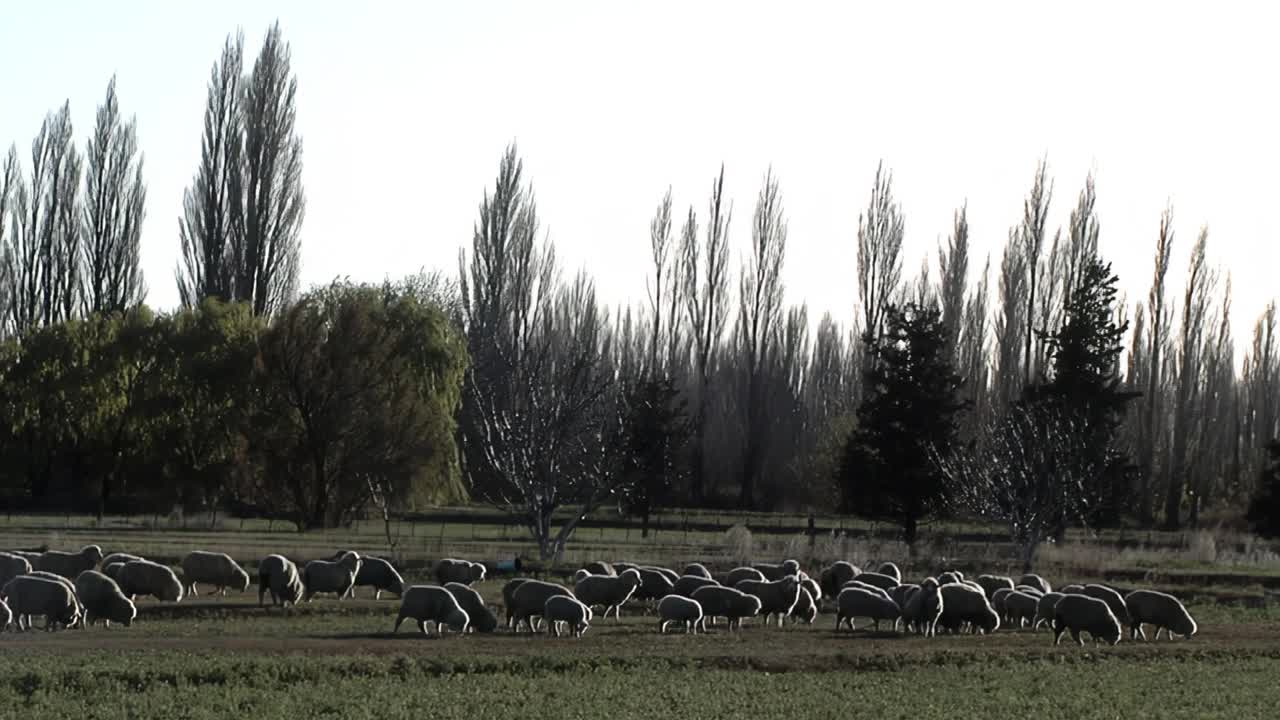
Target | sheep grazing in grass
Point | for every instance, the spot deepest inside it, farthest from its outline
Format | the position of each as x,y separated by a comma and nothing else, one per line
6,616
687,584
868,587
776,598
902,594
103,600
855,603
1164,611
460,571
216,569
813,587
997,601
331,576
68,584
834,576
806,608
119,557
11,566
112,570
697,570
950,577
431,603
564,609
1030,590
67,564
961,605
1113,600
667,573
1072,589
679,609
1036,582
597,567
609,592
378,574
726,602
529,599
1081,613
738,574
29,595
884,582
991,583
143,577
507,591
481,617
621,567
773,572
579,575
1044,609
1020,608
654,584
890,570
278,575
30,556
924,608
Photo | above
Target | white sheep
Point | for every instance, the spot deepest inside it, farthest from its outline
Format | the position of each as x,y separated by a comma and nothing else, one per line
331,576
379,575
119,557
1036,582
776,598
1164,611
924,607
679,609
729,603
813,587
28,595
806,608
738,574
1079,613
67,564
697,570
991,583
835,575
773,572
856,602
530,597
950,577
1072,589
689,583
213,568
6,616
11,566
431,603
278,575
1044,609
599,568
469,599
1030,590
103,600
508,590
143,577
579,575
997,601
1113,600
566,609
884,582
460,571
70,586
621,567
869,588
654,584
667,573
890,570
609,592
903,593
963,604
112,570
1020,608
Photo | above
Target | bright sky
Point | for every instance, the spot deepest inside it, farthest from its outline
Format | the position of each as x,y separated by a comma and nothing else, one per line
405,109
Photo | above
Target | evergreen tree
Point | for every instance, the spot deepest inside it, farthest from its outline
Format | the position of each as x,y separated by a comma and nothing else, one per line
655,454
1264,509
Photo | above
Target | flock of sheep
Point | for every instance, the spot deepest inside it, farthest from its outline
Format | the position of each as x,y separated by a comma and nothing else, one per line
69,591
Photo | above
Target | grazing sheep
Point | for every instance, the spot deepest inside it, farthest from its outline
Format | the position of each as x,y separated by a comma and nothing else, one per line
726,602
621,567
278,574
460,571
119,557
103,600
579,575
379,575
902,594
508,590
1020,608
1164,611
812,586
654,584
1036,582
608,591
998,598
597,567
481,617
991,583
1112,599
924,608
30,556
331,576
431,603
776,598
68,584
679,609
951,577
69,565
806,608
868,587
1083,613
856,602
143,577
884,582
1072,589
1030,590
697,570
890,570
667,573
835,575
29,595
566,609
687,584
773,572
530,597
11,566
1044,609
216,569
739,574
6,616
962,604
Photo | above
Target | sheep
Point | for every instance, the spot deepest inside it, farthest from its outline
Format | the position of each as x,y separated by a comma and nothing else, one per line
950,577
812,586
1030,590
739,574
890,570
118,557
112,570
30,556
529,599
962,604
507,591
835,575
579,575
654,584
566,609
776,598
1081,612
102,599
331,576
773,572
11,566
869,588
1112,599
924,608
726,602
143,577
991,583
689,583
1072,589
679,609
855,602
621,567
6,616
69,565
68,584
379,575
1036,582
597,567
667,573
998,598
28,595
431,603
608,591
481,617
697,570
461,571
1020,607
216,569
884,582
806,608
902,594
280,576
1044,609
1164,611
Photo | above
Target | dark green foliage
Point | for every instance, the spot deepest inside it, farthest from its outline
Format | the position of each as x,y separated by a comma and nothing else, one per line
1264,509
654,452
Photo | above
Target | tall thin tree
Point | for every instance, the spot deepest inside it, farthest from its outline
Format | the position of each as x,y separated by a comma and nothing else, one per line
880,233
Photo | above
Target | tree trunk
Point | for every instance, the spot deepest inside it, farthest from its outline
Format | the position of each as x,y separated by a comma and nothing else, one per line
910,531
644,524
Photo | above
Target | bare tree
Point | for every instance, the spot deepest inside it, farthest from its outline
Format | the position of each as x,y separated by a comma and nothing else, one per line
953,277
1035,212
1261,388
660,251
1010,323
880,232
1217,420
1159,317
972,356
8,183
114,208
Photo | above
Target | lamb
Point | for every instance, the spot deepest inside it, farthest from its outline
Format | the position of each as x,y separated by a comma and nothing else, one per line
890,570
379,575
869,588
103,599
1164,611
1112,599
119,557
69,565
697,570
507,591
884,582
609,592
481,617
924,608
726,602
11,566
216,569
773,572
331,576
280,576
835,575
143,577
461,571
1044,609
654,584
599,568
856,602
806,608
962,604
1021,607
28,595
991,583
776,598
679,609
1036,582
1083,613
566,609
529,599
431,603
689,583
739,574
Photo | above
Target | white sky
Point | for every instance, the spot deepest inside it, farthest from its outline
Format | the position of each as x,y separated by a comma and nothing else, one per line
405,109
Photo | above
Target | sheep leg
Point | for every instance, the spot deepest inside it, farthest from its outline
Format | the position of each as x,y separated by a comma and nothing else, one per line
1075,634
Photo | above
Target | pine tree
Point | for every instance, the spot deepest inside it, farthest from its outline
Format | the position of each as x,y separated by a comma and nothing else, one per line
1264,509
655,453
